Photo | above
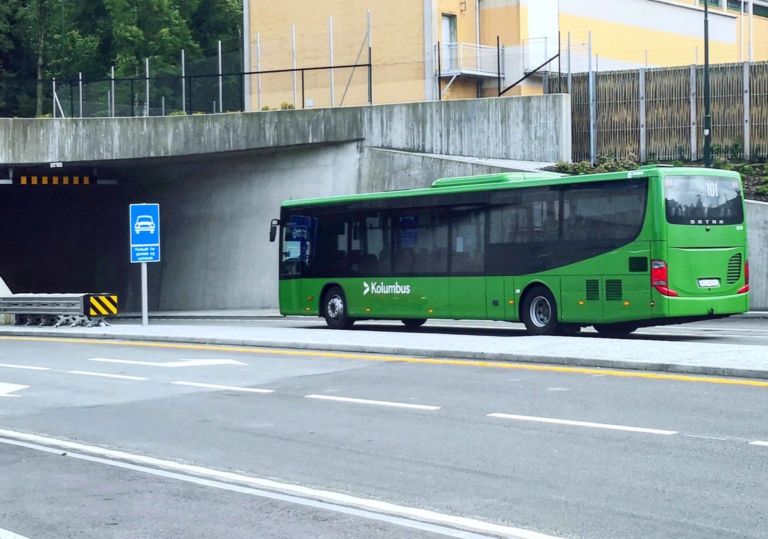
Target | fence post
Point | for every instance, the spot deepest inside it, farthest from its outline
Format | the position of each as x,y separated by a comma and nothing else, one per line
112,95
592,109
746,78
221,81
293,63
258,70
80,86
570,71
53,97
642,118
370,58
183,82
330,54
694,116
146,87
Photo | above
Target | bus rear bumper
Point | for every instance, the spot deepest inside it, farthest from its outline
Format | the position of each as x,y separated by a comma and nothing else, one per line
703,306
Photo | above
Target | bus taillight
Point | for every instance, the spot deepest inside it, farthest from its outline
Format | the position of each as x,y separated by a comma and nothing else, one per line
744,289
660,278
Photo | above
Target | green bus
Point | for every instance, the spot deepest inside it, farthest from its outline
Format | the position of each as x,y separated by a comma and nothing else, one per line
617,251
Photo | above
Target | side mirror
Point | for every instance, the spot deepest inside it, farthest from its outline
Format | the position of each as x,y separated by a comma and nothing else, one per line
273,229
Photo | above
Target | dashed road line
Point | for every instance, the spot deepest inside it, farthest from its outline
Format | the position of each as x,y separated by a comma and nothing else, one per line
171,364
25,367
224,388
587,424
107,375
411,517
391,404
759,442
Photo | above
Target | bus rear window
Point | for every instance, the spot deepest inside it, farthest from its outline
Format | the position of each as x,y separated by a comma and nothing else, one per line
703,200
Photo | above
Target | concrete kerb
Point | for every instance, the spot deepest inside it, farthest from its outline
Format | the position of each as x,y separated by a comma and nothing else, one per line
646,366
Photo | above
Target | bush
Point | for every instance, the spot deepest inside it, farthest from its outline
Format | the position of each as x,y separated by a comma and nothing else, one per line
603,164
287,106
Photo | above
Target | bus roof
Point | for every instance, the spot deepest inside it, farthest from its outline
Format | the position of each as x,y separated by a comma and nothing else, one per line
508,180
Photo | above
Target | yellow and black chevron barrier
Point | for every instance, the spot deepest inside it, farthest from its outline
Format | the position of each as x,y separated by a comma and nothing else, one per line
101,305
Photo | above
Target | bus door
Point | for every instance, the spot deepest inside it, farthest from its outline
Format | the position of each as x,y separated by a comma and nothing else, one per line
419,286
296,247
467,263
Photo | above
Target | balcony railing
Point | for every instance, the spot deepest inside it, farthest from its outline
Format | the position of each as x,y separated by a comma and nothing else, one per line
469,59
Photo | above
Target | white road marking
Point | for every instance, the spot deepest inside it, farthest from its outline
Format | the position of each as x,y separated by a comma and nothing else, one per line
583,424
759,442
26,367
558,389
171,364
412,517
106,375
225,388
5,534
7,389
374,402
701,437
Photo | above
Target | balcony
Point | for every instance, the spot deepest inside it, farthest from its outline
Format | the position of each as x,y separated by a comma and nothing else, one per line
468,59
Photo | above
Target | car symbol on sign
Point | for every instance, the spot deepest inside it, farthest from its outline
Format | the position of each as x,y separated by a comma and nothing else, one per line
144,223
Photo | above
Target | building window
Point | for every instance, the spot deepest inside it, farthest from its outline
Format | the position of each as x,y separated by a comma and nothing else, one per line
760,10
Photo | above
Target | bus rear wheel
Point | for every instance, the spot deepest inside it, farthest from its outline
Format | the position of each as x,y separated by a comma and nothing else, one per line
413,323
539,312
335,310
615,331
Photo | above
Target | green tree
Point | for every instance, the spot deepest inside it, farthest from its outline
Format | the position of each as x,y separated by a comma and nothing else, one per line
140,29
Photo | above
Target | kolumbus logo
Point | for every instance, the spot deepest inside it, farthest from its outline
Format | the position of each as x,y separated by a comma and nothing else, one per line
381,288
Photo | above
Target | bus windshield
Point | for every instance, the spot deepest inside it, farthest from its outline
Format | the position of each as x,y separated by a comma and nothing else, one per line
703,200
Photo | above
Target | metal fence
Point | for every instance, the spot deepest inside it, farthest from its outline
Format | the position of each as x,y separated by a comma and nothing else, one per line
202,88
657,114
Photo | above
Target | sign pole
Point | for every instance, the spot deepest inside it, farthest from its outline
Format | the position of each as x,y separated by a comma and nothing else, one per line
144,296
144,225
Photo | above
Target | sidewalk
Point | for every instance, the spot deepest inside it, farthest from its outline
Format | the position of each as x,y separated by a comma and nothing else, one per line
224,314
747,361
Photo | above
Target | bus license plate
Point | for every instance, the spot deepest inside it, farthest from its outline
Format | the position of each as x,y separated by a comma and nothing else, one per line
709,283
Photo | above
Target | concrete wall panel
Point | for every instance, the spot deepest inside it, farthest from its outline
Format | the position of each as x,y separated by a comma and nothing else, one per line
757,228
216,253
534,128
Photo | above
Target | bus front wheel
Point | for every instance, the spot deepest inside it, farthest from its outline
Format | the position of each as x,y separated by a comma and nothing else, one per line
335,310
539,312
413,323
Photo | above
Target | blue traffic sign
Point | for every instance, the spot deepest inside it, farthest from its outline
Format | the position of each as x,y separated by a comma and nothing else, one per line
145,232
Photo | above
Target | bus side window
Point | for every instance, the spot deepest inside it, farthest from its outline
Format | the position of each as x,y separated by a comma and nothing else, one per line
468,242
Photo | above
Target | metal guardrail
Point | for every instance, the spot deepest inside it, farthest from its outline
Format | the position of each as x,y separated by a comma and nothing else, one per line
57,310
468,59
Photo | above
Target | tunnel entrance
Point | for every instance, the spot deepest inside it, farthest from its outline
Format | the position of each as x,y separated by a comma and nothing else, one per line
66,232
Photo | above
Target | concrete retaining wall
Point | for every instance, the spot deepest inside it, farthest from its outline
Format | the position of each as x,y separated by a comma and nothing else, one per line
533,128
757,228
387,170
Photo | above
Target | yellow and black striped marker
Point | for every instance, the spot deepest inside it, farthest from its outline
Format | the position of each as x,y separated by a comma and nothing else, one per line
102,305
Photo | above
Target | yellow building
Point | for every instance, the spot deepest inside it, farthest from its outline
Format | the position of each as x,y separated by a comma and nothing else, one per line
403,38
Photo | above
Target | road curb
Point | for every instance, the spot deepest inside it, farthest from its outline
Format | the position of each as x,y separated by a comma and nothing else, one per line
650,366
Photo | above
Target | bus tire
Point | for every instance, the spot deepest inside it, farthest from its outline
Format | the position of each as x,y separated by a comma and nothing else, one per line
615,331
539,312
336,310
413,323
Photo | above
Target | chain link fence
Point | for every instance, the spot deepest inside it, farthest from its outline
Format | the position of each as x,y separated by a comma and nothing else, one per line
657,114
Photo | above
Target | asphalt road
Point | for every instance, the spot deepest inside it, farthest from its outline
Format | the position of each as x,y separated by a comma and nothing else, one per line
734,330
116,440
